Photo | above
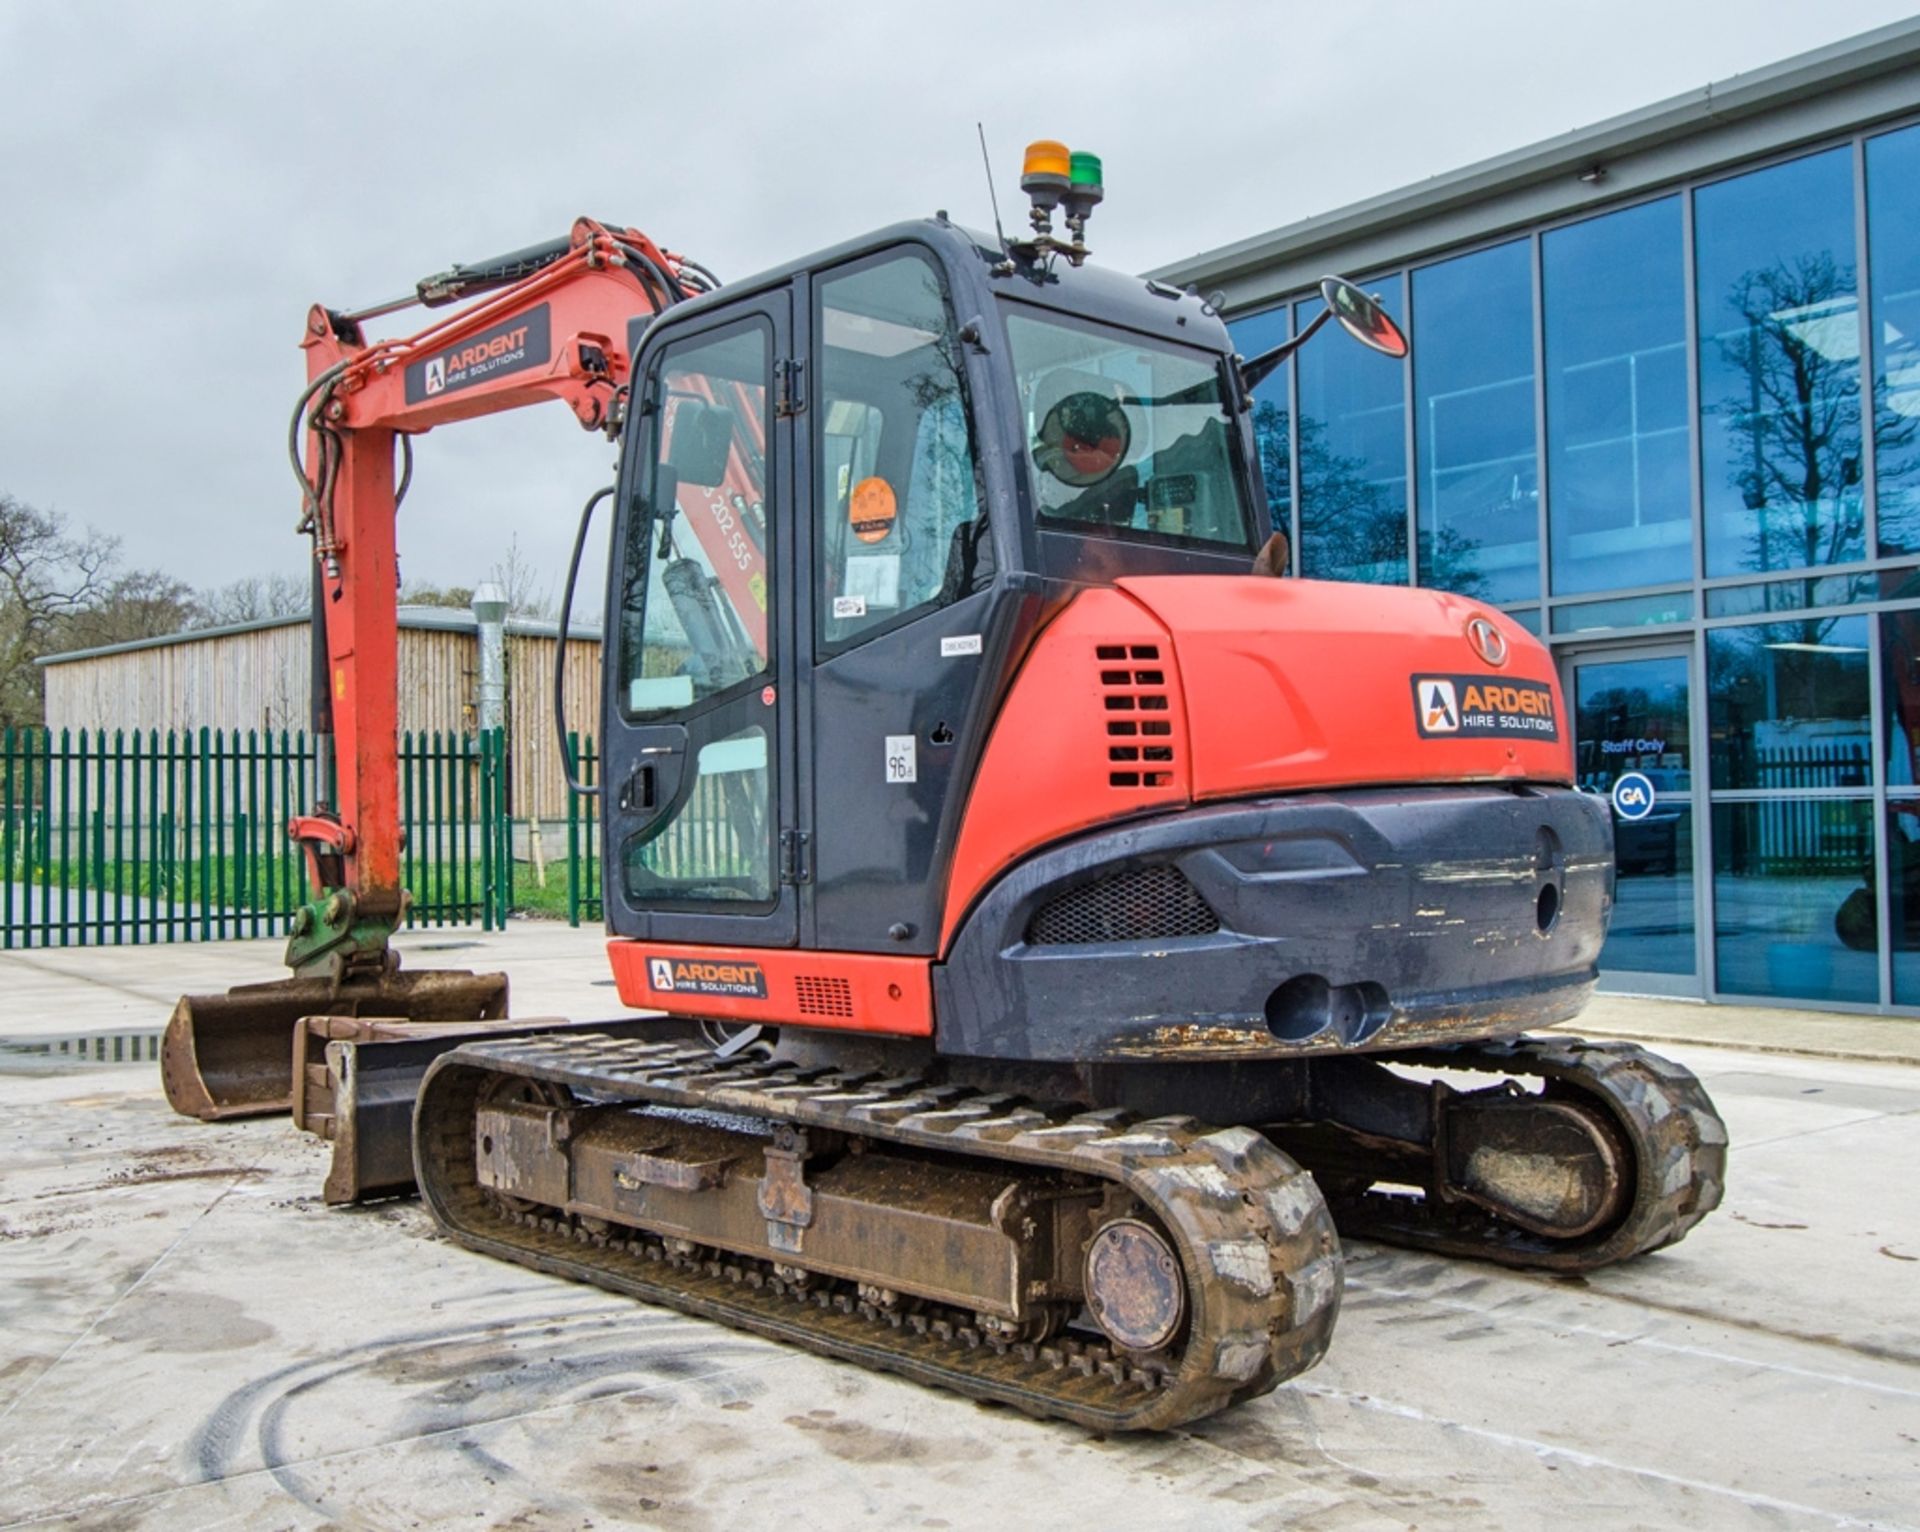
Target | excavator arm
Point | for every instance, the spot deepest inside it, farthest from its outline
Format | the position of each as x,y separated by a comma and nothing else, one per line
552,322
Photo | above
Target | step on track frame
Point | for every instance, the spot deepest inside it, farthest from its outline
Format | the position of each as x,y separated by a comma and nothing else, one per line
1258,1252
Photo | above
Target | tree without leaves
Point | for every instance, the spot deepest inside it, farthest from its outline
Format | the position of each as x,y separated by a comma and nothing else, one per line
1800,418
47,574
255,598
143,603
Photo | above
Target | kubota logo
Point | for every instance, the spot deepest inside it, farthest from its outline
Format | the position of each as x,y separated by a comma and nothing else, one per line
1488,641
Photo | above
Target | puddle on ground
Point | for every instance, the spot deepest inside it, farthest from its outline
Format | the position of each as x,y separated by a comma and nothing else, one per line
49,1055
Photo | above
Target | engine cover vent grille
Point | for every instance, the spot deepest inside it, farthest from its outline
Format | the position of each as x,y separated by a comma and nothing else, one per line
1133,691
1147,904
821,995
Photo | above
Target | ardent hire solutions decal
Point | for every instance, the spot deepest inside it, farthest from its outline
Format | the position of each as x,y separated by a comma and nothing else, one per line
699,976
1477,707
516,345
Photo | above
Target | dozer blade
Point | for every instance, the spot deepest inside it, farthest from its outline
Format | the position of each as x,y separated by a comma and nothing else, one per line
359,1076
233,1055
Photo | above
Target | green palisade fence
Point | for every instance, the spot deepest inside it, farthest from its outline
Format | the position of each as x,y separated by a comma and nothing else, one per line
583,836
143,837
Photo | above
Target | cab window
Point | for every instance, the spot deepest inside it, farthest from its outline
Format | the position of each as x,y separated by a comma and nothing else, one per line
901,526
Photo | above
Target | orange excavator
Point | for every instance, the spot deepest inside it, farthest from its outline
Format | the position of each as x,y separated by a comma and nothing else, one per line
1056,937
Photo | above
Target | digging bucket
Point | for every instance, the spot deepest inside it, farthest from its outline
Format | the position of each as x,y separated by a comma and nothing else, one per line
232,1055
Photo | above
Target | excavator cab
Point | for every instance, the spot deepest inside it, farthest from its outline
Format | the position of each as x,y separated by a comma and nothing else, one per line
807,643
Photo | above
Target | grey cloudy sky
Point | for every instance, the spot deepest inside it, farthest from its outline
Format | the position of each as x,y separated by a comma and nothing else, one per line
178,182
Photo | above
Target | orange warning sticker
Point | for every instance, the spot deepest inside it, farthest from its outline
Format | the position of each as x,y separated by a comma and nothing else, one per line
871,510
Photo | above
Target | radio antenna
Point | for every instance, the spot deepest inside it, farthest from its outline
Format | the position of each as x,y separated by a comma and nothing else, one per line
1006,251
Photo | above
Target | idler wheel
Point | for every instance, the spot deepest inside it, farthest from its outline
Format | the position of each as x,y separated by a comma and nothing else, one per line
1134,1286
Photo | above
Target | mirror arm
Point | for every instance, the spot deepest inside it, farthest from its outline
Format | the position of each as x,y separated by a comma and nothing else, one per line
1255,372
568,766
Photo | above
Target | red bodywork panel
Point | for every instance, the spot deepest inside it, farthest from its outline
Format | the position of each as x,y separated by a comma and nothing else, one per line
1265,686
854,991
1295,684
1093,730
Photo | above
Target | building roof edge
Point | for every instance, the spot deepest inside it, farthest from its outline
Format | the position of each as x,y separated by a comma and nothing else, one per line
1851,61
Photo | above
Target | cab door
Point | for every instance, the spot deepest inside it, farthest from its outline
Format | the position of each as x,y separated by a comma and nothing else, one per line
698,772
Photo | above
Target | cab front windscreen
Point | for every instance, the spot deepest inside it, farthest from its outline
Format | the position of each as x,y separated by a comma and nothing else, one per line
1126,438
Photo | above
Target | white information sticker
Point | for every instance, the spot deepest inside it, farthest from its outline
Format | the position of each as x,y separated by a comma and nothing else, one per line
902,766
849,606
962,643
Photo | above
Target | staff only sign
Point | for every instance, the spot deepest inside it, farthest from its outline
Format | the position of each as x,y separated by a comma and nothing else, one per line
1473,707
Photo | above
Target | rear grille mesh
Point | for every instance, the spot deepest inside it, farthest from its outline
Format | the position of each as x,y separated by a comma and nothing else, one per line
1147,904
1133,693
822,995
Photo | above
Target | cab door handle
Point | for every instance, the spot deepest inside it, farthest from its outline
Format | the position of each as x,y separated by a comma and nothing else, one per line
638,792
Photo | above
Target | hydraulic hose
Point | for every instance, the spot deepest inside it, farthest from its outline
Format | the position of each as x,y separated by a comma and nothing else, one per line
569,767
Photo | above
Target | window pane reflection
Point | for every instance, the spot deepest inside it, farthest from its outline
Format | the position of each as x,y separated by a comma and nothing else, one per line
1780,367
1614,290
1272,404
1353,452
1794,899
1900,695
1788,704
1474,424
1893,241
1903,897
1632,716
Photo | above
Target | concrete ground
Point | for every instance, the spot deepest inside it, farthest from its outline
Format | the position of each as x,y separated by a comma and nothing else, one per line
189,1338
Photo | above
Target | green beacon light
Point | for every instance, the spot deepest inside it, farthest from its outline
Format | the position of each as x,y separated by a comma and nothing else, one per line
1083,195
1085,174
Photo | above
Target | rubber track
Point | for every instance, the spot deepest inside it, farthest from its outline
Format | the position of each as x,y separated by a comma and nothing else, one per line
1678,1143
1258,1249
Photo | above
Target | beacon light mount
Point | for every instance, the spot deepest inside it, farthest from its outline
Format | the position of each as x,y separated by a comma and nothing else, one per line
1056,177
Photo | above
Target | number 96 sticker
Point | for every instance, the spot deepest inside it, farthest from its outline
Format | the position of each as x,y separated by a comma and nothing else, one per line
902,765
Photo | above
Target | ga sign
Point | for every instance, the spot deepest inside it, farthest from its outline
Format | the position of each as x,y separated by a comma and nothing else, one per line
1632,795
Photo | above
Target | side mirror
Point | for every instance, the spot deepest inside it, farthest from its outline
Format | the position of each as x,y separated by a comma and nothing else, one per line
1362,318
700,440
1360,315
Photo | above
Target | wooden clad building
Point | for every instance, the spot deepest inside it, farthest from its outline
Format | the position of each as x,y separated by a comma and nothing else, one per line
254,675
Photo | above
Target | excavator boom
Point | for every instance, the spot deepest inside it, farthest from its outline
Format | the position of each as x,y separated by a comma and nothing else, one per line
551,322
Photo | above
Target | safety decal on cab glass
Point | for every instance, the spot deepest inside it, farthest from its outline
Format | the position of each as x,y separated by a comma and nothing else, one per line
512,346
700,976
871,510
1473,707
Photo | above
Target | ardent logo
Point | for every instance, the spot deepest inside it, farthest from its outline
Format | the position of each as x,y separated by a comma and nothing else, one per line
1439,708
1478,707
436,375
1488,641
479,351
701,976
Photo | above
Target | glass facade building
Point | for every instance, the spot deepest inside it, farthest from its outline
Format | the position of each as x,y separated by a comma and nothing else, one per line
1676,432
